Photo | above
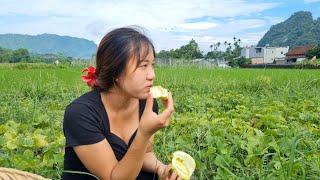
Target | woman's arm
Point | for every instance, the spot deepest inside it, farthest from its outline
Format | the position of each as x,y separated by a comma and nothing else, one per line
100,160
151,163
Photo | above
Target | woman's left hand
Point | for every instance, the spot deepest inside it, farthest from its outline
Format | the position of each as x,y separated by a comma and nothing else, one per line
164,173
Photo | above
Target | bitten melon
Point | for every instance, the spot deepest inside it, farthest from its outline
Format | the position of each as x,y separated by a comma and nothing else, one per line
183,164
159,92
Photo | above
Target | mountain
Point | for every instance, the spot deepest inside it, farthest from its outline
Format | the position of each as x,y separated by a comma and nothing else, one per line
50,43
299,29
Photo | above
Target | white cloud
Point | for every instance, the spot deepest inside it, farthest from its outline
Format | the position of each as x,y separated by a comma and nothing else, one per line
187,27
274,20
92,19
252,38
147,13
199,39
197,25
246,24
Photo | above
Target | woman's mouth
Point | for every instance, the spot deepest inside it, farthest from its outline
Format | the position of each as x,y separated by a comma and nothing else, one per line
148,87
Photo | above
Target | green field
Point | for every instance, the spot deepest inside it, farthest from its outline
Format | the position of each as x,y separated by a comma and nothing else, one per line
236,123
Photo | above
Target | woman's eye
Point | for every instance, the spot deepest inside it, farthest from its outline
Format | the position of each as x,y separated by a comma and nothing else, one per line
143,65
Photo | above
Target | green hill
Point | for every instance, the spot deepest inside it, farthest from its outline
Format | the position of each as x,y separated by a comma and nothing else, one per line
50,43
299,29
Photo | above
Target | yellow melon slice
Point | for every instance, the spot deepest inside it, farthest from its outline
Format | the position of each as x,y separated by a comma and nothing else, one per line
183,164
159,92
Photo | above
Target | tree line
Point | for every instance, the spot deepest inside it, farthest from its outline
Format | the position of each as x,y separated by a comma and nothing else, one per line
23,55
314,52
192,51
13,56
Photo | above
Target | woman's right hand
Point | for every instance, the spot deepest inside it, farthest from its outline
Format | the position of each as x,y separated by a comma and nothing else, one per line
151,122
165,173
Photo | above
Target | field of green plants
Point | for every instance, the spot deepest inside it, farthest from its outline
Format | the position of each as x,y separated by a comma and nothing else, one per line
236,123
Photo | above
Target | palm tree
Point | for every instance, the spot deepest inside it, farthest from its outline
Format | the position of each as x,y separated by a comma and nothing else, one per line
211,47
225,44
218,44
214,46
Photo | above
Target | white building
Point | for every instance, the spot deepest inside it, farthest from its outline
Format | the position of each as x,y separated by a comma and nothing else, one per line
263,55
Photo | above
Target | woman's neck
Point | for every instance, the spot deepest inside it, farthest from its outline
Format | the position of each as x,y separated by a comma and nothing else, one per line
117,100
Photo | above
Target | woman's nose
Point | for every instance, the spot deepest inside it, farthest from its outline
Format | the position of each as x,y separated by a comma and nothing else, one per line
151,74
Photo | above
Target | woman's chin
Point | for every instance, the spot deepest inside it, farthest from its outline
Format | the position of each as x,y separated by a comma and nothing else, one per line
143,95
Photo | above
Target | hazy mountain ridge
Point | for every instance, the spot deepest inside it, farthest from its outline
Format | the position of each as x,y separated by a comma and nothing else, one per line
50,43
299,29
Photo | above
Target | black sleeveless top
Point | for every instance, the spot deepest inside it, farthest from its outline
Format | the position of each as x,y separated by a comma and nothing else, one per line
86,122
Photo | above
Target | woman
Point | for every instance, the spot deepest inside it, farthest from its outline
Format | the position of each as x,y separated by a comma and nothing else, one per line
109,130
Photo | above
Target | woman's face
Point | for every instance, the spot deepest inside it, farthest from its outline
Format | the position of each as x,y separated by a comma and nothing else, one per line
136,81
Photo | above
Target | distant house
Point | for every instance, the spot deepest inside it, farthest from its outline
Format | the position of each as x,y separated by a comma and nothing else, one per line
50,57
223,64
264,55
298,54
203,62
211,62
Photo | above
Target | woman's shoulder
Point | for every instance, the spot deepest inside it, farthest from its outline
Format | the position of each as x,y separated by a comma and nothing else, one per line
82,122
88,99
85,108
88,104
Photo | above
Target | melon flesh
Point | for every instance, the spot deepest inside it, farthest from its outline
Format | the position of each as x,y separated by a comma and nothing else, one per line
183,164
159,92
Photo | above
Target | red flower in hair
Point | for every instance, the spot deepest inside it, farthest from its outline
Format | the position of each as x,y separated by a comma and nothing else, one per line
90,78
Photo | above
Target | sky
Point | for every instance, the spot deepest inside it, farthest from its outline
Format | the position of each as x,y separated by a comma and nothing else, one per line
169,24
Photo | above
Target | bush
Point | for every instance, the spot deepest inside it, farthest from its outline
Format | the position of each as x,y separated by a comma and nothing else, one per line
313,52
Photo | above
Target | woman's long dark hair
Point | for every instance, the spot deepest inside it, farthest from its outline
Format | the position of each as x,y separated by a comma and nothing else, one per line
114,52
